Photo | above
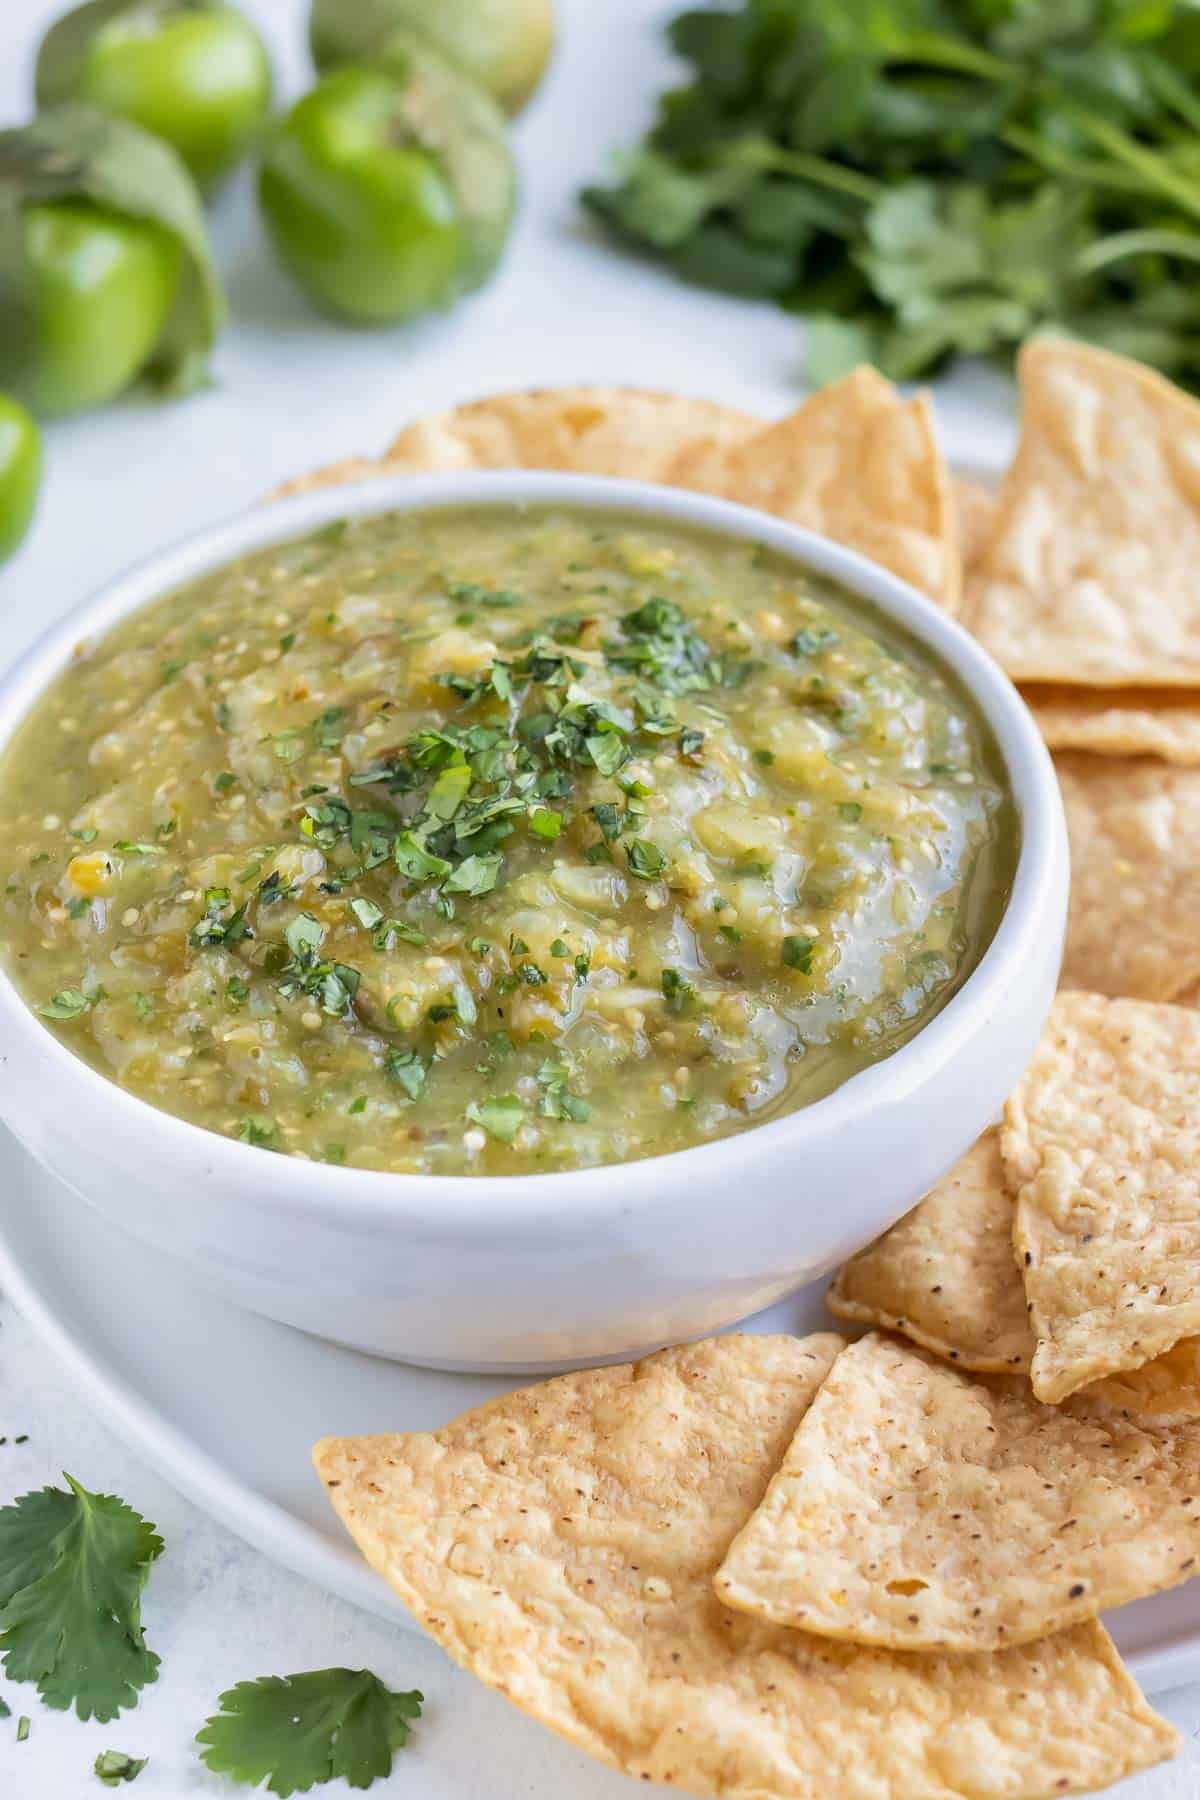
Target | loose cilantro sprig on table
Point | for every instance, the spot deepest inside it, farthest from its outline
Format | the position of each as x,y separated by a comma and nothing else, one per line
924,178
72,1568
296,1731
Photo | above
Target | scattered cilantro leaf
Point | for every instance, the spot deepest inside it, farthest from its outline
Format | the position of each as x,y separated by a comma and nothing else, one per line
72,1568
297,1731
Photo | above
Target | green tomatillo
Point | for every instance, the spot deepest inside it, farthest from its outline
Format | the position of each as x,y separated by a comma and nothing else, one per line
503,45
389,191
194,72
20,473
105,269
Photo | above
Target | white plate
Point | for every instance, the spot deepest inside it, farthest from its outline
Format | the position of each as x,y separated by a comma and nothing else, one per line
226,1405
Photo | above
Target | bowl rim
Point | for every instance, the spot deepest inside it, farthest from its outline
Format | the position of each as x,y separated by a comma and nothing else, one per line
1038,887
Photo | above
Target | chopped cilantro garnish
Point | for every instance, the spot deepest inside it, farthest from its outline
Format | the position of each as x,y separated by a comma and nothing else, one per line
851,811
295,1731
216,927
143,1006
646,860
407,1070
812,640
335,1153
531,974
557,1101
87,836
501,1115
559,948
128,848
68,1003
798,953
366,912
236,991
172,668
224,781
78,906
677,989
358,1105
254,1129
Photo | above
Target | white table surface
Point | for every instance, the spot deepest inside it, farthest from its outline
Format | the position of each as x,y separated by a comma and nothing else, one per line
292,391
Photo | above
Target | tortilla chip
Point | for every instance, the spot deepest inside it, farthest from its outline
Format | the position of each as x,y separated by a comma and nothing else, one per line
1092,574
636,433
561,1544
947,1277
1119,721
1102,1143
351,468
858,463
975,511
922,1508
1134,925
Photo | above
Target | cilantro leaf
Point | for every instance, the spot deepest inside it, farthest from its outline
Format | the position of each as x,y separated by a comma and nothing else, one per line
72,1568
501,1115
297,1731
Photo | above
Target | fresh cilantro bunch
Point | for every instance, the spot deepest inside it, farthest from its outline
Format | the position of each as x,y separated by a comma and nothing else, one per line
924,178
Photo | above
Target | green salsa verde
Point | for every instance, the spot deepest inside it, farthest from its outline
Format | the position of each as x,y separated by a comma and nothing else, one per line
497,841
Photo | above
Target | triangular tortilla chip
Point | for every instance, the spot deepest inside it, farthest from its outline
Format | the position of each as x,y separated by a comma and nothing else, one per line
975,511
1134,826
1102,1144
947,1277
1092,572
636,433
858,463
561,1544
1119,721
922,1508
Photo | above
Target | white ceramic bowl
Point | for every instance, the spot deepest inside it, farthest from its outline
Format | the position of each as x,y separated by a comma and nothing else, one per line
536,1272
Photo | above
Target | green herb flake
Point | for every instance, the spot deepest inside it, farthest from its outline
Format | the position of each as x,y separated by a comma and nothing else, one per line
646,860
72,1568
366,912
256,1130
23,1728
68,1003
407,1070
143,1006
501,1115
851,811
115,1766
296,1731
224,781
797,953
